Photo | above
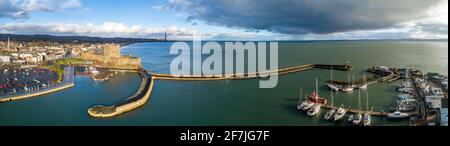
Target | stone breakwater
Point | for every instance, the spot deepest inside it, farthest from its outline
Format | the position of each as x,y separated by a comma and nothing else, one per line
245,76
136,100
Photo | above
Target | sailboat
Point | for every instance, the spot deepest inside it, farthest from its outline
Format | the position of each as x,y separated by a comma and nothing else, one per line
367,117
331,85
306,104
315,97
357,118
330,114
340,113
348,87
301,103
350,118
364,84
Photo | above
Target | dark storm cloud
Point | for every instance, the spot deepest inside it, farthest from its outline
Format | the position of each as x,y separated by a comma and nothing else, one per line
305,16
434,28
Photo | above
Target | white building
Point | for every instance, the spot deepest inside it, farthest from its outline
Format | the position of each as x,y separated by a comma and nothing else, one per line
5,59
24,56
444,117
434,101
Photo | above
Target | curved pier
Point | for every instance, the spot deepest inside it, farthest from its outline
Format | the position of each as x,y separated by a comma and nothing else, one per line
134,101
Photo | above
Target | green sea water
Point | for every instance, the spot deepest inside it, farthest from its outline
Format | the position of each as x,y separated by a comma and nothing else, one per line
239,102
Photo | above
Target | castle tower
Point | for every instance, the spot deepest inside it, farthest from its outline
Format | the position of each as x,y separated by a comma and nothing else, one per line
9,45
111,51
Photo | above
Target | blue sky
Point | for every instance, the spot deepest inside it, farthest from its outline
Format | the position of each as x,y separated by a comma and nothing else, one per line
228,19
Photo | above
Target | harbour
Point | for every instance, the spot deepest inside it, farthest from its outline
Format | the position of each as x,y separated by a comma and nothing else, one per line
229,102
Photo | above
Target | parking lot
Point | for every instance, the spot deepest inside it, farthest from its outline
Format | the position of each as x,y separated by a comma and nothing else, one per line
21,80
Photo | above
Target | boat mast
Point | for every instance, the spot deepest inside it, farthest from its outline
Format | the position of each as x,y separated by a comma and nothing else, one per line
301,92
332,98
364,78
353,79
348,78
317,89
331,78
359,99
367,102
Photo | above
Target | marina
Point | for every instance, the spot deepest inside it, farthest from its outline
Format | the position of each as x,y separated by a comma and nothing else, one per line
236,97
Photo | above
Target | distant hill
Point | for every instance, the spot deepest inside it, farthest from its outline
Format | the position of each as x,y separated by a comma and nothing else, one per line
73,39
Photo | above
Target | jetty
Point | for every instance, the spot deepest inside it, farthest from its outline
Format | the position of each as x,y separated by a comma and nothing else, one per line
246,76
136,100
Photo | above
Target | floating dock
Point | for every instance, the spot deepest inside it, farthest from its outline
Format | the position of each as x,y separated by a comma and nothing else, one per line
373,113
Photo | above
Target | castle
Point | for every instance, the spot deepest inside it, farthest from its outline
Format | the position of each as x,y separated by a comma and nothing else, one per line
111,58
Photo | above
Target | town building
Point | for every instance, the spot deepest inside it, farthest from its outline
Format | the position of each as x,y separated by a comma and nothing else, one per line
444,117
5,59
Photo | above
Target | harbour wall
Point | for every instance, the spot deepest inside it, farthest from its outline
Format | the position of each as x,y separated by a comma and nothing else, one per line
136,100
29,95
245,76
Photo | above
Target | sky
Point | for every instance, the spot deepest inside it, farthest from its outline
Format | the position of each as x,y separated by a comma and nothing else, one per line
229,19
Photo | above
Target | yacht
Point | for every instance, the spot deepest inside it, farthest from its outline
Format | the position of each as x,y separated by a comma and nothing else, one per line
340,113
314,110
350,118
397,115
367,117
347,89
329,115
332,86
349,86
357,118
301,103
364,84
406,108
308,105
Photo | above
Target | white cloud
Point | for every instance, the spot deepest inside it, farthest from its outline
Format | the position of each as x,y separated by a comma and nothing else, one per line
20,8
107,29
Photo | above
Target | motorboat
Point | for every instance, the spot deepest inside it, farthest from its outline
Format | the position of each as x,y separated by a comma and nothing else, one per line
398,115
332,87
340,113
330,114
314,110
350,118
357,119
347,89
367,119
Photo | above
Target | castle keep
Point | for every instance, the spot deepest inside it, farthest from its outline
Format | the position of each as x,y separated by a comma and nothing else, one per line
111,58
